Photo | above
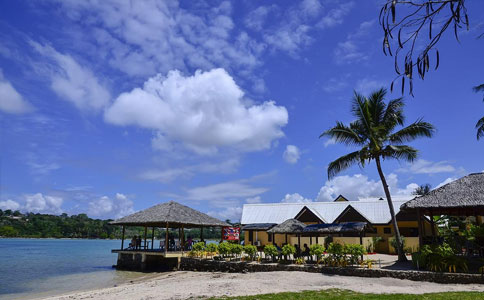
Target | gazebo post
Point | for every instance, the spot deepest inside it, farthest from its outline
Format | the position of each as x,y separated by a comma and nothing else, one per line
182,239
361,242
145,237
286,238
122,238
433,225
152,237
166,239
299,240
274,239
317,239
310,240
420,232
201,234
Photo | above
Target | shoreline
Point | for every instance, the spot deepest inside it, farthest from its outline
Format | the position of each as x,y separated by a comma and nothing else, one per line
187,284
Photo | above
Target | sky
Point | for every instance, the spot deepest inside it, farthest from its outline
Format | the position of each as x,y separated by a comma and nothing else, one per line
110,107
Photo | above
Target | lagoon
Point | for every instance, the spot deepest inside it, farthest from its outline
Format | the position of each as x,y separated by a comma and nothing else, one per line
32,268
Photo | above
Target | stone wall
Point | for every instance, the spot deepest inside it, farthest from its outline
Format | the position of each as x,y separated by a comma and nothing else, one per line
193,264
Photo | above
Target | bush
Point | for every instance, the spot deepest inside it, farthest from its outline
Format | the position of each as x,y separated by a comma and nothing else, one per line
211,249
251,250
316,250
439,258
355,251
337,255
288,250
224,248
271,250
236,249
198,247
393,243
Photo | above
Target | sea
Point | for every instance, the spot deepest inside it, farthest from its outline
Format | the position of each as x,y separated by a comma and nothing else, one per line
35,268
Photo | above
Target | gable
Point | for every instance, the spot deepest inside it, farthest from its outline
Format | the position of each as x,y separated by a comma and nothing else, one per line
306,215
350,214
340,198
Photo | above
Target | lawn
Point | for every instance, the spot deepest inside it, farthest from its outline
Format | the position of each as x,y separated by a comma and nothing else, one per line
345,294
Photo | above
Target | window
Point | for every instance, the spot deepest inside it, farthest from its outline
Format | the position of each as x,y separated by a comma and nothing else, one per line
387,230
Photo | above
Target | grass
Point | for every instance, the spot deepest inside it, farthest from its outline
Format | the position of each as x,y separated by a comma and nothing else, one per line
349,295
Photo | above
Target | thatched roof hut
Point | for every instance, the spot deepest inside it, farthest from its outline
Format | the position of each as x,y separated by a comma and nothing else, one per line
288,226
346,227
170,214
464,196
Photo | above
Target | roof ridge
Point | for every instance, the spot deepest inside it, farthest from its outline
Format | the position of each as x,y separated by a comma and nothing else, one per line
321,202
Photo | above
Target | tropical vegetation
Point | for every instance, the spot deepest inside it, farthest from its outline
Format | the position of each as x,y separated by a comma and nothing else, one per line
373,133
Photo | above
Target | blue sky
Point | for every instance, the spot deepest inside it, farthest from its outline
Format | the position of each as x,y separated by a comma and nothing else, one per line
108,107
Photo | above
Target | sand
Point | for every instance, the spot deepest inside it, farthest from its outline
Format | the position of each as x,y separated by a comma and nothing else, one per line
186,285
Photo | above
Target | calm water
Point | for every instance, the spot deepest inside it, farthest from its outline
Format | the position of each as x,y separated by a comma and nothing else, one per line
42,267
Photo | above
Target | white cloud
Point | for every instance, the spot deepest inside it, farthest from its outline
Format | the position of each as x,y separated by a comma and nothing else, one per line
73,82
230,213
329,142
336,15
422,166
448,180
107,207
10,100
255,19
366,86
291,154
9,204
231,189
39,203
295,198
204,112
349,51
360,186
253,200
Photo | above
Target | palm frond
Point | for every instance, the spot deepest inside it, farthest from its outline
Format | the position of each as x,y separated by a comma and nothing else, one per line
377,106
343,134
412,131
343,163
401,152
480,128
394,114
360,110
479,88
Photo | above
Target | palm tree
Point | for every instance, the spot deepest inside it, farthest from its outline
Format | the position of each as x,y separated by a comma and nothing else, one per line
372,132
422,190
480,123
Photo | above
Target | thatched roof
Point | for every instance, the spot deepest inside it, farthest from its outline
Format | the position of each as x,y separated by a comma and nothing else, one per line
288,226
259,226
346,227
173,213
464,194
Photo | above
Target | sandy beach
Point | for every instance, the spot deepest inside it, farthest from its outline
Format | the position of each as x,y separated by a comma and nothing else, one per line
186,285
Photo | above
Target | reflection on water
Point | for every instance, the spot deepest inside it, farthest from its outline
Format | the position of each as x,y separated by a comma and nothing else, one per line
42,267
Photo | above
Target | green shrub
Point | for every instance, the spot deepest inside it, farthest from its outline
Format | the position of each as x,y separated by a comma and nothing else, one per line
212,248
198,247
224,248
271,250
250,250
337,255
393,242
355,251
288,250
236,249
316,250
439,258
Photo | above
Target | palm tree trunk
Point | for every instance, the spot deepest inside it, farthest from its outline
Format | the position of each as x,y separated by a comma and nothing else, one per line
401,253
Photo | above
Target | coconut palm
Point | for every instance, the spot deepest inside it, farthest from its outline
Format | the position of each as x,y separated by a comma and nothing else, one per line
480,123
373,133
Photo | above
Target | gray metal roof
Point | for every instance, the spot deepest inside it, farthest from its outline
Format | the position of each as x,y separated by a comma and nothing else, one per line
288,226
374,210
467,191
336,228
173,213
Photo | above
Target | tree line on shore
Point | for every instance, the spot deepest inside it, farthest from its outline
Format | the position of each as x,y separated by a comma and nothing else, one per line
36,225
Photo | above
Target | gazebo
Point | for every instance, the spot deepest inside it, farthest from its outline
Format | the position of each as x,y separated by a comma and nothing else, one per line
462,197
166,215
290,226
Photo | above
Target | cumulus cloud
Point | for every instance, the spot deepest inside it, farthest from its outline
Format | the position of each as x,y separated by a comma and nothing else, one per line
229,213
9,204
295,198
448,180
422,166
253,200
73,82
204,112
360,186
225,190
291,154
10,100
107,207
39,203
